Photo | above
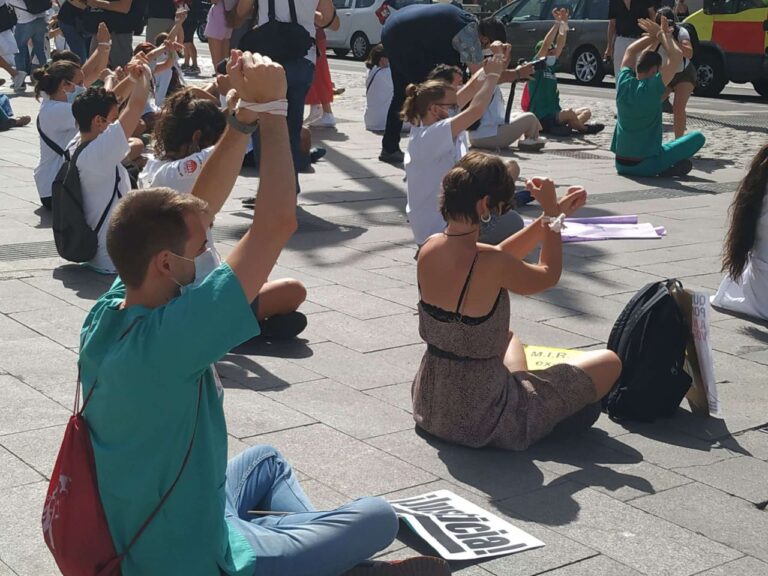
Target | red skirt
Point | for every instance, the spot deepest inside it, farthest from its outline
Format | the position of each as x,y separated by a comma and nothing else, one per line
321,91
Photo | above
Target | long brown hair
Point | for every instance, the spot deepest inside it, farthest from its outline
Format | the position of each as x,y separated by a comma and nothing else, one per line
745,211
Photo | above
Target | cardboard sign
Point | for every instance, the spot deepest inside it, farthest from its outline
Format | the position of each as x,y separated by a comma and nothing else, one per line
540,357
460,530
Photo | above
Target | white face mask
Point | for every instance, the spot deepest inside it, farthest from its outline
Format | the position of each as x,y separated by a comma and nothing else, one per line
196,280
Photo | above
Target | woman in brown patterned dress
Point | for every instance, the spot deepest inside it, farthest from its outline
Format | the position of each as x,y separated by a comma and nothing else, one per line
473,386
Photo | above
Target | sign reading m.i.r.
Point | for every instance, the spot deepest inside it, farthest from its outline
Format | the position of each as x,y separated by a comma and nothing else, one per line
460,530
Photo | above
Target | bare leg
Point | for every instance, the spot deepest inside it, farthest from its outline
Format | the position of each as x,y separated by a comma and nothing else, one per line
602,366
584,114
306,140
327,108
572,120
514,357
190,53
683,92
280,297
217,51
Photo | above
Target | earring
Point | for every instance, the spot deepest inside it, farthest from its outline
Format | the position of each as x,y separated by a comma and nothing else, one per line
485,219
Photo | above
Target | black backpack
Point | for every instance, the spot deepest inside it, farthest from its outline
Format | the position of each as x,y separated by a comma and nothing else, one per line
75,240
37,6
649,336
8,17
281,41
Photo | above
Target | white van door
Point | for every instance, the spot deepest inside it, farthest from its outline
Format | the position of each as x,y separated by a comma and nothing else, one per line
340,38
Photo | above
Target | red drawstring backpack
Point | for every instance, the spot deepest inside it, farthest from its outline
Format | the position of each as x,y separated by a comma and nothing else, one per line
525,102
74,523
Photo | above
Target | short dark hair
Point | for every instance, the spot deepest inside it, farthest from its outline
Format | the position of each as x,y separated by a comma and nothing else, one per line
445,73
48,79
375,56
476,175
90,104
145,223
184,114
492,29
648,61
667,12
66,56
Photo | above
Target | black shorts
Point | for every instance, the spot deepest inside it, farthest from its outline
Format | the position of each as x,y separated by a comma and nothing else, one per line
189,27
549,122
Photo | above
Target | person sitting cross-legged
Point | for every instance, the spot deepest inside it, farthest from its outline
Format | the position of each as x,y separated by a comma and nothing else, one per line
643,79
542,88
146,355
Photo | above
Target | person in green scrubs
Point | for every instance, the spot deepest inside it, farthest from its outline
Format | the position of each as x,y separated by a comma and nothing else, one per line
155,404
640,88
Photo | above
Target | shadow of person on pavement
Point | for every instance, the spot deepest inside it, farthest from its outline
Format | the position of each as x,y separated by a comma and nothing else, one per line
85,283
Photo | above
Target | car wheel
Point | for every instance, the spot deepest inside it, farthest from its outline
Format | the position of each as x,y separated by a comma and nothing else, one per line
340,52
201,32
588,66
761,87
360,46
710,74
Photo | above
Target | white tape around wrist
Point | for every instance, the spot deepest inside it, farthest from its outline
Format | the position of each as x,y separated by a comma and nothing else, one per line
555,223
276,107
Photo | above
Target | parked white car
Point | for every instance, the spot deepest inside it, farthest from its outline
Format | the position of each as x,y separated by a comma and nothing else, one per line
361,24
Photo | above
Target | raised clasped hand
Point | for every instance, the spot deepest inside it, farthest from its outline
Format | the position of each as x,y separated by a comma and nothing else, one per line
543,190
256,78
573,200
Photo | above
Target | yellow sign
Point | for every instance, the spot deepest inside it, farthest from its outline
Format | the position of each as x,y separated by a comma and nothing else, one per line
540,357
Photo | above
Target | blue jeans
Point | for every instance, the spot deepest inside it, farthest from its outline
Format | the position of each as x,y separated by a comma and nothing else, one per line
299,75
76,41
35,31
305,541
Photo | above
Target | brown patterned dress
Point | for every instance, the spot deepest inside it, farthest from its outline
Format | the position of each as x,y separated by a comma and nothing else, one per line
463,393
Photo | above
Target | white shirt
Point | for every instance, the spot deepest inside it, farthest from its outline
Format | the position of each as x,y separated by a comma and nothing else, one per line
96,165
57,122
682,36
163,81
305,14
749,294
22,16
378,96
180,175
431,154
493,117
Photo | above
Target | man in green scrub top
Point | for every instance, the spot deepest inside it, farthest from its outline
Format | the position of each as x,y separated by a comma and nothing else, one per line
640,86
147,349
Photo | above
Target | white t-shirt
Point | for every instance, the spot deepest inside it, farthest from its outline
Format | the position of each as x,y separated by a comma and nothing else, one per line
492,118
163,81
57,122
431,154
683,35
180,175
749,294
22,15
305,14
378,96
96,165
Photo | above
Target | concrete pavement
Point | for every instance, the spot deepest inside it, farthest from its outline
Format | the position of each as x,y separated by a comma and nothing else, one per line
679,497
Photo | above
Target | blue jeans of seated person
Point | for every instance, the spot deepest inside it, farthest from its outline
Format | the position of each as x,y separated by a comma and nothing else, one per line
298,75
23,33
306,541
671,153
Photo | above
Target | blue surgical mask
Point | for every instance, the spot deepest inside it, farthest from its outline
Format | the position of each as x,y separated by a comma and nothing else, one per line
75,93
551,60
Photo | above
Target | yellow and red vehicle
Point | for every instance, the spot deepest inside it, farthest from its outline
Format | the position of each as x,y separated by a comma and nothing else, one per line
732,44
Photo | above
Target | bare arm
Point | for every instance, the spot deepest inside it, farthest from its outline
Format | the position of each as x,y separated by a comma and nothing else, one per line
131,114
548,39
99,60
327,11
244,7
674,56
121,6
322,22
274,218
562,33
635,49
477,107
611,39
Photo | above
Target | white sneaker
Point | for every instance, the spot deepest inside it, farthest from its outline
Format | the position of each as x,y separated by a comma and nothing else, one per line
315,114
326,121
533,144
18,82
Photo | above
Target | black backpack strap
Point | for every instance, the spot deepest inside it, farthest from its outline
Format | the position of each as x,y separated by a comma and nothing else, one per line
50,143
271,10
115,192
368,87
292,8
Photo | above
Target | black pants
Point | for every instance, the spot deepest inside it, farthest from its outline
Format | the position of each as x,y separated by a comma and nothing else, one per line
402,75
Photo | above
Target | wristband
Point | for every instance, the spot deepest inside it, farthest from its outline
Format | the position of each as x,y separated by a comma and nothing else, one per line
276,107
105,43
555,223
241,127
492,75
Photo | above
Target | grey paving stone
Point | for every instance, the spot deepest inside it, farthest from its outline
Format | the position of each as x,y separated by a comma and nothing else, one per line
79,287
407,358
395,394
36,447
5,570
743,476
17,296
355,369
349,466
715,514
263,372
367,335
355,278
403,273
407,295
320,261
595,566
643,542
15,472
21,543
344,408
250,413
736,343
491,472
12,330
23,408
743,402
597,329
321,496
754,443
584,303
613,281
61,324
353,302
280,271
745,566
545,335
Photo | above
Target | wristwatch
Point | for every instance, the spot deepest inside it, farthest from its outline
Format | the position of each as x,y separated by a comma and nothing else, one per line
242,127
